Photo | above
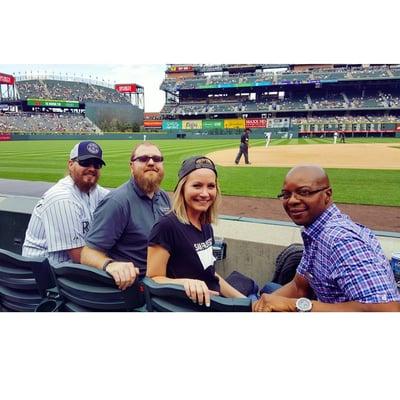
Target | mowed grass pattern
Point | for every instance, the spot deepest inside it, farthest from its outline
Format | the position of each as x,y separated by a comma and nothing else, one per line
46,161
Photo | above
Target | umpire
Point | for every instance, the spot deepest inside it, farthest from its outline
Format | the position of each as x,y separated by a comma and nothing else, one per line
244,147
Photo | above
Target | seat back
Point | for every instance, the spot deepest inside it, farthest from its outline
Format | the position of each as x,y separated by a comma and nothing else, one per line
23,281
85,288
172,298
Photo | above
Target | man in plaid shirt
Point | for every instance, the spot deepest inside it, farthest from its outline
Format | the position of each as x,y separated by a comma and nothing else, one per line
342,262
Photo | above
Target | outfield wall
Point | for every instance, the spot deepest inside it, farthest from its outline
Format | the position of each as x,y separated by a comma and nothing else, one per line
170,134
252,244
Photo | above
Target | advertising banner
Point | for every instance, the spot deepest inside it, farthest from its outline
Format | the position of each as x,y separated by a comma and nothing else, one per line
256,123
213,124
234,123
180,68
174,124
152,124
279,122
192,124
126,87
53,103
6,79
5,137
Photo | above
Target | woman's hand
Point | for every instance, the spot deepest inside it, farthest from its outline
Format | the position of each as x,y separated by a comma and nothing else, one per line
198,291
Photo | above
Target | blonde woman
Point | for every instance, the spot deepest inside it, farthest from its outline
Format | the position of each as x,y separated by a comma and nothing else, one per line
180,244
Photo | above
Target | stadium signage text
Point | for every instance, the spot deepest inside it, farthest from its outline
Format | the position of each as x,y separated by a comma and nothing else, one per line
126,87
52,103
7,79
5,137
153,124
256,123
182,68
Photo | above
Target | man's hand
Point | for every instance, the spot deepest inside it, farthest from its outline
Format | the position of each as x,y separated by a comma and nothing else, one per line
271,302
124,273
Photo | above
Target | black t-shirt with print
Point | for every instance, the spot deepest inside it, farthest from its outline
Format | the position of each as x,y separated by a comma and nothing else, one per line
190,250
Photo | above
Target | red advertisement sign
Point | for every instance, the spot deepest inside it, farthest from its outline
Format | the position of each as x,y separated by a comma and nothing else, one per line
181,68
152,124
126,87
7,79
256,123
5,137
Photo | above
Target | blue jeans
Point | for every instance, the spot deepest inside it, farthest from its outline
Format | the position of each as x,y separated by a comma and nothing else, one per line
269,287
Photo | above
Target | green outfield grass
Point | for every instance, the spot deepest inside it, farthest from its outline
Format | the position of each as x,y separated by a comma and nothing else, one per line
46,161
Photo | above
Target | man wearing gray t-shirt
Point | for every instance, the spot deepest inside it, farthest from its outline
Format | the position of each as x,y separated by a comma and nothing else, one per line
117,239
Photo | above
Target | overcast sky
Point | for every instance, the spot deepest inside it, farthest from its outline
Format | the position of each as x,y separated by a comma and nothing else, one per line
148,75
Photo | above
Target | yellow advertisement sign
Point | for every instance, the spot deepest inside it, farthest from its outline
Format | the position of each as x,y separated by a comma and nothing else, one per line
234,123
192,124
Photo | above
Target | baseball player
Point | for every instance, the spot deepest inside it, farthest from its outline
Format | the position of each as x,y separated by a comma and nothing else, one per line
61,218
267,138
335,136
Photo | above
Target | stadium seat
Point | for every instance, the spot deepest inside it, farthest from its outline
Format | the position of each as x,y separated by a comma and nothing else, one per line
84,288
24,281
172,298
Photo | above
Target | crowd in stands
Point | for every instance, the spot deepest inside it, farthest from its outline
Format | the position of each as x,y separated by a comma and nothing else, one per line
312,102
337,120
173,85
25,122
68,90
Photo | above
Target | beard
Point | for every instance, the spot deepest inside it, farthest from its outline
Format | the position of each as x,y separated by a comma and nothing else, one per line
85,185
149,182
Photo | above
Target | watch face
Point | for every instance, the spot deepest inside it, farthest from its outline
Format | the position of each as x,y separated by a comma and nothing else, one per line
303,304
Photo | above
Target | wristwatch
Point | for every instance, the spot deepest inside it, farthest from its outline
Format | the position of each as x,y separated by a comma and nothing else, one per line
303,304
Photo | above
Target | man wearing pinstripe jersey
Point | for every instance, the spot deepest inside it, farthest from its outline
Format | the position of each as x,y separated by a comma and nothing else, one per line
342,261
61,219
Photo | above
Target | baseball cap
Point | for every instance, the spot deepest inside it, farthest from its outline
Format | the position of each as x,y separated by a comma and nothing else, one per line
86,150
194,163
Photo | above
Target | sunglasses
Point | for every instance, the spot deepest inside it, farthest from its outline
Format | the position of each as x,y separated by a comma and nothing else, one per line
146,159
87,163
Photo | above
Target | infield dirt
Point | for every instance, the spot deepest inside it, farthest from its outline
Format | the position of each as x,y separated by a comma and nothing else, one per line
340,155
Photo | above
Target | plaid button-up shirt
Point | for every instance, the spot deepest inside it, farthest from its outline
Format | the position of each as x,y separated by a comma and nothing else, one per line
343,261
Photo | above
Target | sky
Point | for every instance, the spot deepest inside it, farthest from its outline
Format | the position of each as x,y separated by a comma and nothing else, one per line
149,76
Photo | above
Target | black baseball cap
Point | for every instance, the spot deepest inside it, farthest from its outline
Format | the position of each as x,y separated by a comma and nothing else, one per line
86,150
193,163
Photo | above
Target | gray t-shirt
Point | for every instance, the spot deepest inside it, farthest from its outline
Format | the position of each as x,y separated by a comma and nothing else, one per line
123,221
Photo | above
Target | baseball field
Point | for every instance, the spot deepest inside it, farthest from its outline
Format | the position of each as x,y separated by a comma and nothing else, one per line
362,171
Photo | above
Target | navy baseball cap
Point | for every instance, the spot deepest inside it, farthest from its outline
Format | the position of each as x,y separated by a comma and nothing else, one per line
86,150
196,162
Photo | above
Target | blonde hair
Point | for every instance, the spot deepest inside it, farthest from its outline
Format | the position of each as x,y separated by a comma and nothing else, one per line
179,205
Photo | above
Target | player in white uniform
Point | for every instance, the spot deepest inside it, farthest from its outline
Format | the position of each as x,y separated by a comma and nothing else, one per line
335,136
267,138
61,219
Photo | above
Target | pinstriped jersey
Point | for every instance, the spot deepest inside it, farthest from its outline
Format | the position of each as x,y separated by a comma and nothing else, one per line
60,221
